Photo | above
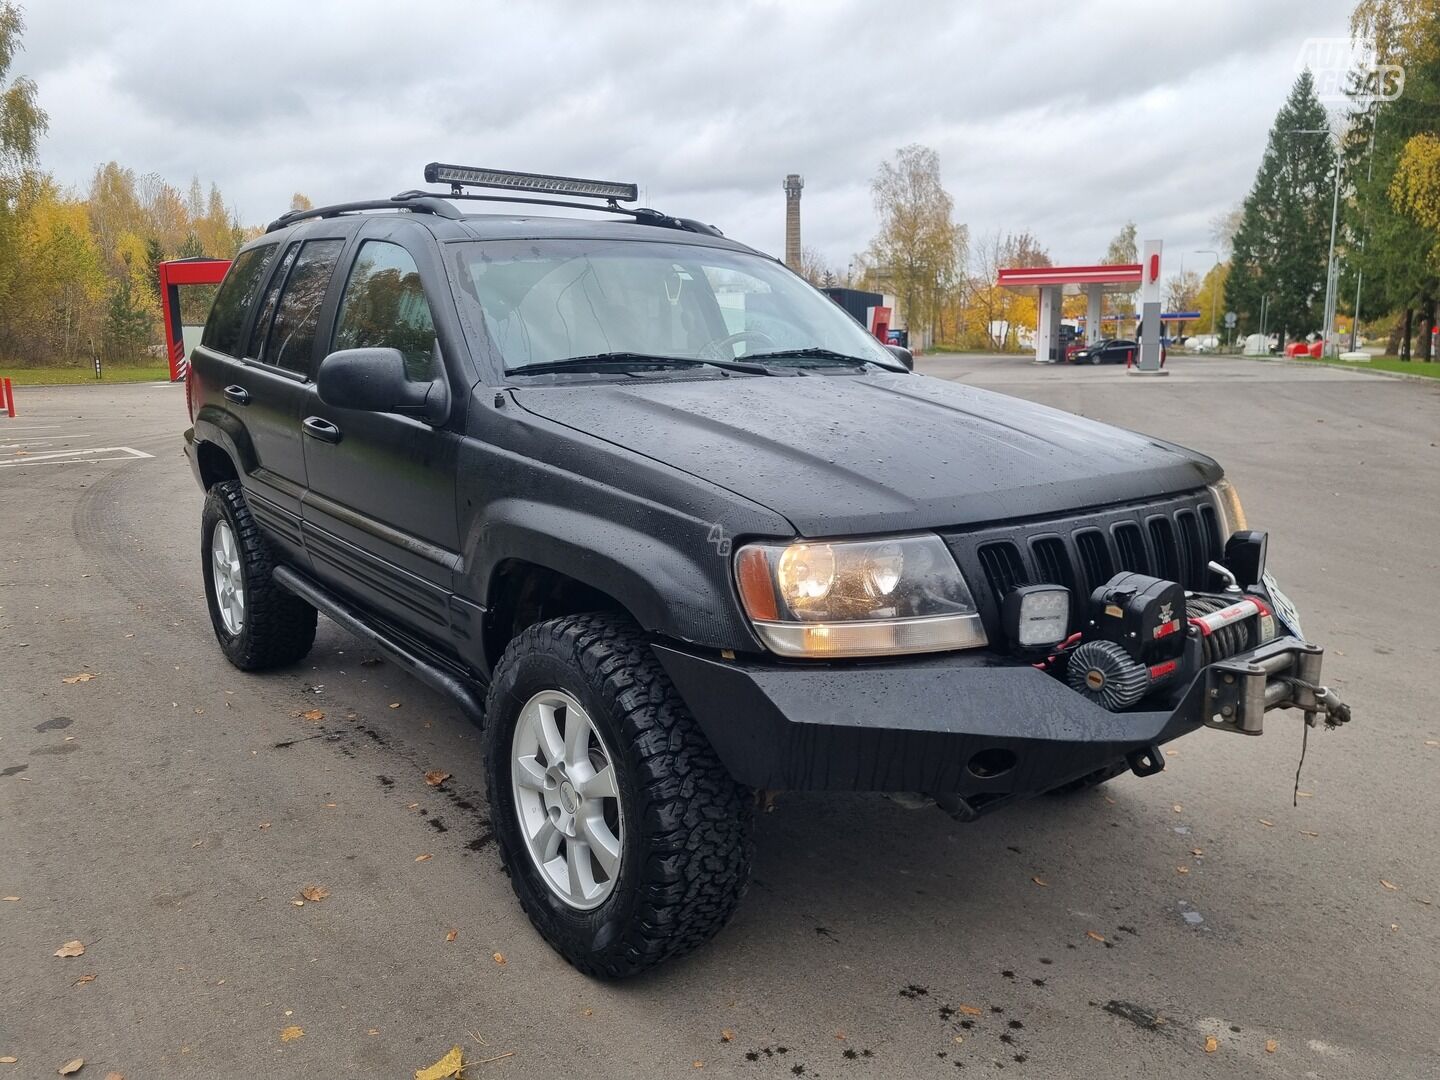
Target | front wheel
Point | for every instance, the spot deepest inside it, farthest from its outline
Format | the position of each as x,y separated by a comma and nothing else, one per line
626,840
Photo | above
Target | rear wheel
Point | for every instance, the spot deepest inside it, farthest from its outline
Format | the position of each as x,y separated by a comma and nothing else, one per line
626,840
257,623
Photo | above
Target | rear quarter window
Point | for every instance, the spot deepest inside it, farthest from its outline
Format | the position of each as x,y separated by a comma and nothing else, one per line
232,303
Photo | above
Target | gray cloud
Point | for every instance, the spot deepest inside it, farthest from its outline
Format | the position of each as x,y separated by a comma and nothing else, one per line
1064,118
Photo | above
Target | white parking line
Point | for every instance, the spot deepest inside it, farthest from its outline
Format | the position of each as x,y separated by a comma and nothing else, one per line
71,457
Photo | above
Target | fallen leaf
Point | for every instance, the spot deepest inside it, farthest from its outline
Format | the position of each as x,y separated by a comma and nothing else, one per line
264,824
311,714
1420,901
1432,742
969,1010
1197,852
1211,1044
452,935
314,893
435,777
1041,882
587,1012
291,1033
77,948
1093,936
1305,833
1267,824
1178,808
726,1035
840,1035
71,680
298,903
424,858
1304,794
371,661
83,979
412,806
499,958
8,1060
1388,885
1271,1046
373,1031
697,1064
447,1068
114,1076
394,704
1182,869
9,898
72,1066
331,805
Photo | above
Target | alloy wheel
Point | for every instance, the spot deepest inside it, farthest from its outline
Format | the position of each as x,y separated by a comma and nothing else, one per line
567,799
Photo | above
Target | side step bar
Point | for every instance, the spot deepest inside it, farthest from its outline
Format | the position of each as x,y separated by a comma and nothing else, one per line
427,671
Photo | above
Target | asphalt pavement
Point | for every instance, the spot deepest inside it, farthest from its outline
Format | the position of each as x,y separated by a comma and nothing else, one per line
168,813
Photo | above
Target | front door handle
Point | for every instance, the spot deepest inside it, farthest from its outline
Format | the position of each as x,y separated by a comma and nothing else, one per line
320,429
238,394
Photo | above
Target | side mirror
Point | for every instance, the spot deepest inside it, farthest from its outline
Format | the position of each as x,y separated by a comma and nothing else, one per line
374,380
903,355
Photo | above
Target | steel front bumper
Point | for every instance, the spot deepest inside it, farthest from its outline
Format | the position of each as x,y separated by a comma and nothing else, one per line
979,726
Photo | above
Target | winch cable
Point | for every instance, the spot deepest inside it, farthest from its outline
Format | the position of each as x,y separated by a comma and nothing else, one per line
1226,641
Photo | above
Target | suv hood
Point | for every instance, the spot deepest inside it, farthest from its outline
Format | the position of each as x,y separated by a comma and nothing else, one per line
843,454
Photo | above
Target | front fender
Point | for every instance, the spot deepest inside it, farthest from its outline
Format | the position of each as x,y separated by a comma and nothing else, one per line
671,589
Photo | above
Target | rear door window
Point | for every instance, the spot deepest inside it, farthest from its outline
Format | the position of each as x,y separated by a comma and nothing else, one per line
290,343
261,326
232,304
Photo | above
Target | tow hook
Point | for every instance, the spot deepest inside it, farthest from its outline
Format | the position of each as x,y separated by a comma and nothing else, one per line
1147,761
1314,700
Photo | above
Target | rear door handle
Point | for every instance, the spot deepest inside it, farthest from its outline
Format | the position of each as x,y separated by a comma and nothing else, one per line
320,429
238,394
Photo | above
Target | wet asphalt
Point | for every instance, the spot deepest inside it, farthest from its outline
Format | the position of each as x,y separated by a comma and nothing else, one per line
168,812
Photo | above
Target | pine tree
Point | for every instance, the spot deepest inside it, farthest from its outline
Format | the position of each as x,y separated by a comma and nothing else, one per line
127,325
1284,234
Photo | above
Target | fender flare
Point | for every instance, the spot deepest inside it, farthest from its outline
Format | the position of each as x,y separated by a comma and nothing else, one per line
665,590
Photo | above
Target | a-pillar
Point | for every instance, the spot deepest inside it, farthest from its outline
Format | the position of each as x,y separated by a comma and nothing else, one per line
1047,326
1094,295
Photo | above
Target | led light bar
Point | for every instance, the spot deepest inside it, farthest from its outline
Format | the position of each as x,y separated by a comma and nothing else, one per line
465,176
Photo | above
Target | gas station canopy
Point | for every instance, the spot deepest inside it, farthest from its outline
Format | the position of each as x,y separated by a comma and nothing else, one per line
1053,282
1118,277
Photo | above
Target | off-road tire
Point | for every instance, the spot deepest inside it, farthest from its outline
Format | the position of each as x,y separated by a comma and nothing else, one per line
687,845
279,627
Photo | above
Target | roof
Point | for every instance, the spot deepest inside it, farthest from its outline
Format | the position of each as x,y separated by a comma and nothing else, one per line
1118,275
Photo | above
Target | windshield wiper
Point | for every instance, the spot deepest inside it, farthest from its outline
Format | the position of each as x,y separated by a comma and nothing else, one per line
813,353
622,361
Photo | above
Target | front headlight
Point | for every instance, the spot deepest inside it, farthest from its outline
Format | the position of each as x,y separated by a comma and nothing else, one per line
857,597
1227,505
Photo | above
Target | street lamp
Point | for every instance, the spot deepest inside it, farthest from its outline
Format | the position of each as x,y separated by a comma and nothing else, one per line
1330,282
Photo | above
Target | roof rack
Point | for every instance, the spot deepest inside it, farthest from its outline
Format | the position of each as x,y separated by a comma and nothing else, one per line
417,202
463,176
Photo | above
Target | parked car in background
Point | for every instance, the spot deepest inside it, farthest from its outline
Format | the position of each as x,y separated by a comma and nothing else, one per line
1107,351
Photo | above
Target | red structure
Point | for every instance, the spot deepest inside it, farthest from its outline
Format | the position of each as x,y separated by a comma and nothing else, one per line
174,275
7,397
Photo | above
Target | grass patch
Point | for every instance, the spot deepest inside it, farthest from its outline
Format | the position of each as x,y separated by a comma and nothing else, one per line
1381,363
64,376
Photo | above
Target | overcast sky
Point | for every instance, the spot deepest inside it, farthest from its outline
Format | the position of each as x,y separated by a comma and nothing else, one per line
1063,118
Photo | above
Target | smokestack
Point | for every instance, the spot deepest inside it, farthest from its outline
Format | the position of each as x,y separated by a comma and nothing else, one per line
793,184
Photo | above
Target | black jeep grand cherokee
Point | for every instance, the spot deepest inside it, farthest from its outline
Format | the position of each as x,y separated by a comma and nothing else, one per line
675,528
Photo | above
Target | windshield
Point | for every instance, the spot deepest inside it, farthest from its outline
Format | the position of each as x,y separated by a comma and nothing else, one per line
544,301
